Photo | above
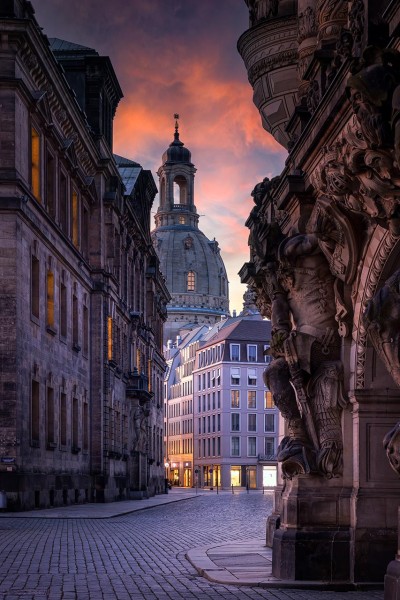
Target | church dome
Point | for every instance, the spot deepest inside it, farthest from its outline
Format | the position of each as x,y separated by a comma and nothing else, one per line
176,152
192,265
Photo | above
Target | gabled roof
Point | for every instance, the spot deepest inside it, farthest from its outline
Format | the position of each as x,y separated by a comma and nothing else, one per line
241,330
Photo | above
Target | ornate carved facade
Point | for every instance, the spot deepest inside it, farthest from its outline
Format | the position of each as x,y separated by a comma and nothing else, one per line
82,299
324,245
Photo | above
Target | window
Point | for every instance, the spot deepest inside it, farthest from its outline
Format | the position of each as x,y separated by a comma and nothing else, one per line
191,281
235,352
85,424
35,163
85,232
110,343
85,331
235,398
235,422
218,446
182,220
269,447
35,297
63,310
35,413
251,399
63,203
75,424
267,357
235,446
268,401
50,417
252,353
75,219
218,376
50,299
252,422
251,446
63,419
75,327
269,422
235,376
252,376
51,184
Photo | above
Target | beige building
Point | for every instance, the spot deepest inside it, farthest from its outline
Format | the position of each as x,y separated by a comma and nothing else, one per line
82,300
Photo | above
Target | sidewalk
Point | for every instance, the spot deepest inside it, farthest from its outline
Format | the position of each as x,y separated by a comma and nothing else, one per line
249,563
103,510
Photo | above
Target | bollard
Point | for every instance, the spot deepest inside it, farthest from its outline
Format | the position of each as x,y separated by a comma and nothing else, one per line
232,489
263,490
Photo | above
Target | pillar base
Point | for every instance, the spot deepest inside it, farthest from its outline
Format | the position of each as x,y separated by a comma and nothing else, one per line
392,581
311,555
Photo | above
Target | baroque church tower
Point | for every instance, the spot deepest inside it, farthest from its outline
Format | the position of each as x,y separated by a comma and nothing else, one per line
191,263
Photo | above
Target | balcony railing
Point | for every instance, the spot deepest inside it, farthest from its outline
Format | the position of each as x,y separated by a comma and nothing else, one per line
267,457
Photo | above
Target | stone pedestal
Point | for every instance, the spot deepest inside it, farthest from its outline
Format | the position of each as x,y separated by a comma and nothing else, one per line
392,577
314,539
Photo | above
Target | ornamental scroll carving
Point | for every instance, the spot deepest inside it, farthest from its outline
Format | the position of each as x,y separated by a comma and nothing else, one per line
361,170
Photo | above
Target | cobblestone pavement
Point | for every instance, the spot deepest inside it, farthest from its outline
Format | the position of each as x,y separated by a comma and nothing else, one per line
139,555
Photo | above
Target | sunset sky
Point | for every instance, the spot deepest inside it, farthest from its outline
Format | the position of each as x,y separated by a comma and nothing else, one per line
180,56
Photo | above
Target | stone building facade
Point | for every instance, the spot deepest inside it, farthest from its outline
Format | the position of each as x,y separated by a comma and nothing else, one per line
324,239
222,427
82,299
191,263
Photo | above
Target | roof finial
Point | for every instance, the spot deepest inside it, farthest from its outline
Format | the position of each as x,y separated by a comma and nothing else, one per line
176,117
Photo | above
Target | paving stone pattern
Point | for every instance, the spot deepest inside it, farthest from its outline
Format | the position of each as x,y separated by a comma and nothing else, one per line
140,555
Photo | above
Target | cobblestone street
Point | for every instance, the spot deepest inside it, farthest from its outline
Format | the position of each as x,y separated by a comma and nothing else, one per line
140,555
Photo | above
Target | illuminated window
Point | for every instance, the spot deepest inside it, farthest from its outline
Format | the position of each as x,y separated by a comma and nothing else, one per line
268,401
191,281
75,219
251,399
235,398
110,338
35,163
182,220
50,299
138,359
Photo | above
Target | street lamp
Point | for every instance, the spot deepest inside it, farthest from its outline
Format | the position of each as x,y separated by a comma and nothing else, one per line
166,465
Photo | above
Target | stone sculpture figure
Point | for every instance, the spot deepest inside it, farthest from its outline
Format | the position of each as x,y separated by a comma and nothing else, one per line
306,376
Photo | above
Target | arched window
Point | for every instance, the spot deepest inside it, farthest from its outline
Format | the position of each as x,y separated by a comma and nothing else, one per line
191,281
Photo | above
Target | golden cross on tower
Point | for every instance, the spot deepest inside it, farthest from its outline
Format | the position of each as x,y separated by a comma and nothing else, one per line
176,117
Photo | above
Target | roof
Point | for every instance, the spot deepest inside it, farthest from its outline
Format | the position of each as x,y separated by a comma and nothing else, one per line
240,330
58,45
129,171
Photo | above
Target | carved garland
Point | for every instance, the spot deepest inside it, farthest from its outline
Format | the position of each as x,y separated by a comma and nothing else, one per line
381,256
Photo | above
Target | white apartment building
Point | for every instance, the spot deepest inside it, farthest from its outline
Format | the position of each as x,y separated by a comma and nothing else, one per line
234,429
